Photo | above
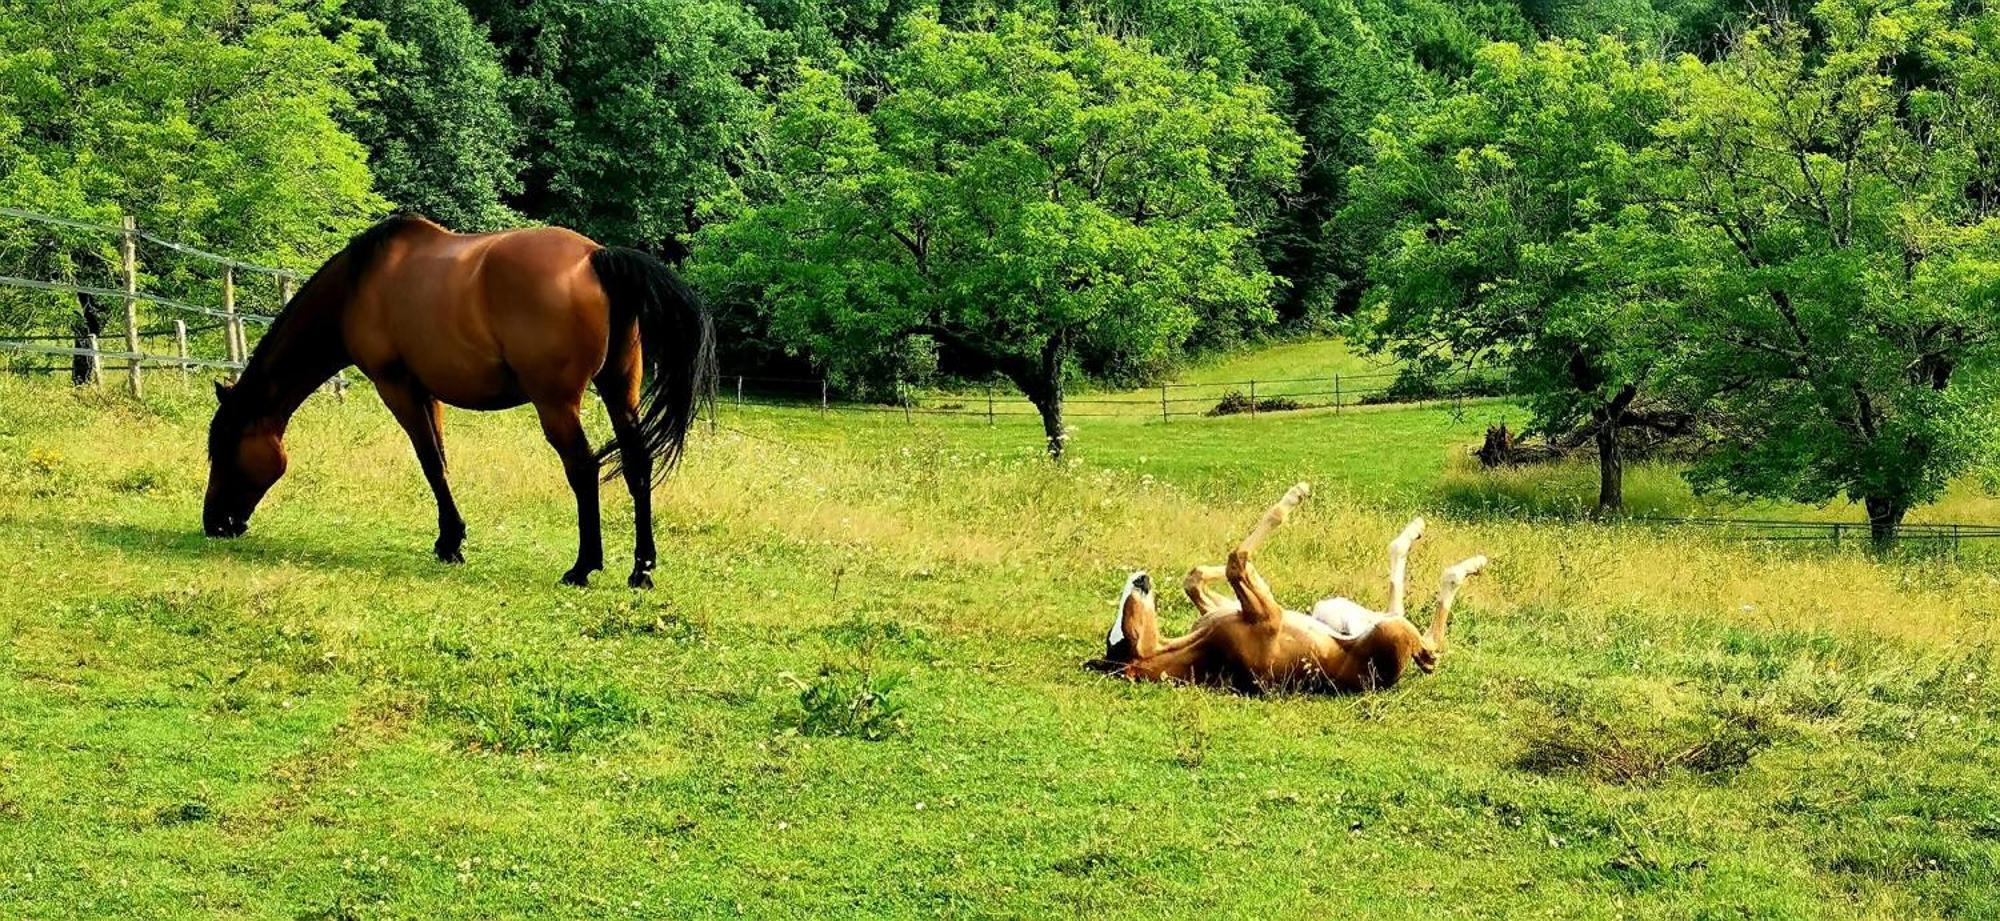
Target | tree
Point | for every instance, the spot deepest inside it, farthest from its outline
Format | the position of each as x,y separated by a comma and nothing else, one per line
214,123
1841,190
638,109
434,116
1032,198
1520,236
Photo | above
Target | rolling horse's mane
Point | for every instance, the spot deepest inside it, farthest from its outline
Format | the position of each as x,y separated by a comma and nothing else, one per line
342,271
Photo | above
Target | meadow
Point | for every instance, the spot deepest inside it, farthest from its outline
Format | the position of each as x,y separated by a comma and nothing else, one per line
856,691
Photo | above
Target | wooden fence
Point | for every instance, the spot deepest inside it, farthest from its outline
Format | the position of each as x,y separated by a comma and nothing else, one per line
129,237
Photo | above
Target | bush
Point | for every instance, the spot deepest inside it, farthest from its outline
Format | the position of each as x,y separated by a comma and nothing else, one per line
540,712
1235,402
1412,386
849,702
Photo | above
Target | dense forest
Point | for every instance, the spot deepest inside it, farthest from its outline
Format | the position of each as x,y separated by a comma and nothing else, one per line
1767,226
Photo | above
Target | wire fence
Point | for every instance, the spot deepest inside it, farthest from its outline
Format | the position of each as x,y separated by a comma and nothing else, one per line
1833,534
1339,392
160,335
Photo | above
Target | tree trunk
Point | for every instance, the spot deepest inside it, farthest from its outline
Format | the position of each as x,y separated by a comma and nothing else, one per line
1885,516
1052,423
89,322
1610,470
1042,381
1610,457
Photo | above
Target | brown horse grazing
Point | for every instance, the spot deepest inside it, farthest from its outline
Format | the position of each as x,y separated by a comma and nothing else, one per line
480,321
1252,644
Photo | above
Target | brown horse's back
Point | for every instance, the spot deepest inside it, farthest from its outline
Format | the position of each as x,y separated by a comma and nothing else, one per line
482,321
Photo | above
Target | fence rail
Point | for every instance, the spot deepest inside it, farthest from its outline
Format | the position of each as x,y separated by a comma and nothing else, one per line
135,357
236,343
182,248
1338,392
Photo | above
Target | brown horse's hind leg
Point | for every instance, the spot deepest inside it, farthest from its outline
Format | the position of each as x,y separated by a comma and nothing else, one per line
422,418
563,426
618,385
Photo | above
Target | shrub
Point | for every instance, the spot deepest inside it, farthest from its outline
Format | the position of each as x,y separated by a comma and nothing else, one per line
849,702
541,712
1235,402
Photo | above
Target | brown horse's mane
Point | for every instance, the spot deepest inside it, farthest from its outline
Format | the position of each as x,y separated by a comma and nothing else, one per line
330,283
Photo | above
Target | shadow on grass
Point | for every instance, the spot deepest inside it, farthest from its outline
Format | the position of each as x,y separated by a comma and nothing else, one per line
391,559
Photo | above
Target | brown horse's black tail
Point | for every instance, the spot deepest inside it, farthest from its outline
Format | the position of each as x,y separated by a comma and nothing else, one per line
679,345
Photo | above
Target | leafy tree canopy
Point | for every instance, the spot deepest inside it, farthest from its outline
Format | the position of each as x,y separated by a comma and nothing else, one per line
434,114
1027,196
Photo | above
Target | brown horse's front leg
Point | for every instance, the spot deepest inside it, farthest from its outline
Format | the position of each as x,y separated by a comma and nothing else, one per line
422,418
563,427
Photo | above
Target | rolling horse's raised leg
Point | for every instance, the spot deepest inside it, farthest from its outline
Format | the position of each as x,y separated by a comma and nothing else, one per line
1207,600
422,418
1399,563
1448,587
562,425
1260,606
618,385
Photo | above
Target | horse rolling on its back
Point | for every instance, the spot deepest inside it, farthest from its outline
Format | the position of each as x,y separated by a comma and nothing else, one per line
487,321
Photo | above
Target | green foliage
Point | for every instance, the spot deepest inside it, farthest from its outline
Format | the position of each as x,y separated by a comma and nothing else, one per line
214,123
1510,208
435,118
1025,196
1840,254
636,109
850,702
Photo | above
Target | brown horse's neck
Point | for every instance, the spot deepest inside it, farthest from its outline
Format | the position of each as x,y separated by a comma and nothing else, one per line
302,349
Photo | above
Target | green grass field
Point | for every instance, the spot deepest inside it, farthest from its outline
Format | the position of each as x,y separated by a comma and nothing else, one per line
856,691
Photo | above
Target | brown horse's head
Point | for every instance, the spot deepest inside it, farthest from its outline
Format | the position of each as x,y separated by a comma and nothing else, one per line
246,455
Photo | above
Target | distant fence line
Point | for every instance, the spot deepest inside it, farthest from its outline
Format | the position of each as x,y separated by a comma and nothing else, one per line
1338,392
1833,533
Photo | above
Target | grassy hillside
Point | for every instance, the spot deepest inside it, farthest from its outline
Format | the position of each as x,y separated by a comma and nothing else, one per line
856,691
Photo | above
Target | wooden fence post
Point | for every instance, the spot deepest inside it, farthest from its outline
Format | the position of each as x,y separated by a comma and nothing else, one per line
232,328
1253,399
128,246
822,396
1165,416
989,403
181,345
739,391
906,408
1336,394
96,359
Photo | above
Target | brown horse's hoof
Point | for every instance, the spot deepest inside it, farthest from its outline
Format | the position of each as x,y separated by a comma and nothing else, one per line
640,580
451,555
577,577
